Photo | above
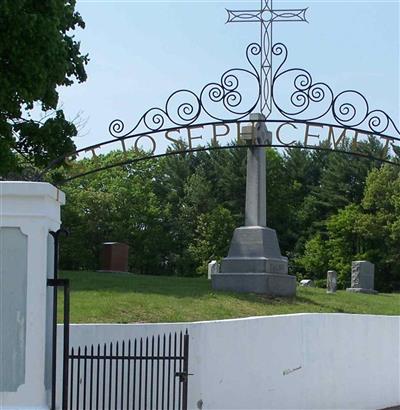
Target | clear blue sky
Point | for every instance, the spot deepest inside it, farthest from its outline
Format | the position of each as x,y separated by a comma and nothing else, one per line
140,52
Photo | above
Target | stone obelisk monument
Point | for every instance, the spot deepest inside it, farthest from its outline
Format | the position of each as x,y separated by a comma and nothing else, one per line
254,262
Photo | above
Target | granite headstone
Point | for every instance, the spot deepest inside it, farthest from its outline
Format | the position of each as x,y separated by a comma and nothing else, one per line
362,277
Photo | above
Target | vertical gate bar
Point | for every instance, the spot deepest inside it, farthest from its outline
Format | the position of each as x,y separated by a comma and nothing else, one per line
128,382
98,376
116,378
55,284
169,369
54,350
140,374
54,330
174,377
91,379
84,377
65,346
77,379
71,379
158,370
104,376
180,371
151,373
110,379
163,375
185,371
145,373
134,374
122,374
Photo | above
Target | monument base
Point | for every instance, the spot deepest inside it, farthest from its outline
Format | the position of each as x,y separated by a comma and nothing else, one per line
255,264
362,290
270,284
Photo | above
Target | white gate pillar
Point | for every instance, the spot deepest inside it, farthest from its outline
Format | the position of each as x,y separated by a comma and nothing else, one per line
28,211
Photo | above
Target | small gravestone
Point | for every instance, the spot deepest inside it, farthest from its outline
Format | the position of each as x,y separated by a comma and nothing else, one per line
362,277
114,257
213,269
331,281
307,283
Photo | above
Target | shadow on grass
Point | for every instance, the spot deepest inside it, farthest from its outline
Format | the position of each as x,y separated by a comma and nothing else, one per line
324,306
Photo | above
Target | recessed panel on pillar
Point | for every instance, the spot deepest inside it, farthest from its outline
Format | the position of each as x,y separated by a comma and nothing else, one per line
13,295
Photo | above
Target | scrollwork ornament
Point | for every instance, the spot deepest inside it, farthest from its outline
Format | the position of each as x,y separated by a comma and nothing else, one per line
220,101
309,101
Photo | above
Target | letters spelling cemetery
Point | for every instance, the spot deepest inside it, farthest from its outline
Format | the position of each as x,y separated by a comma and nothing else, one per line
284,135
303,361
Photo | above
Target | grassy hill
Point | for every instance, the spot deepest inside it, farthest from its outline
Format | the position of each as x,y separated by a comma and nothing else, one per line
128,298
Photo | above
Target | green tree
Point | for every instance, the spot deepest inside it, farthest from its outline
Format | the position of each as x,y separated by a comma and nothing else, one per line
315,259
212,237
175,187
343,178
302,170
277,198
227,171
38,53
381,227
345,243
120,205
368,230
196,201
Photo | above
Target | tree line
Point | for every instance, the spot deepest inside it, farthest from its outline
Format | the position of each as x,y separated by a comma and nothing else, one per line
178,212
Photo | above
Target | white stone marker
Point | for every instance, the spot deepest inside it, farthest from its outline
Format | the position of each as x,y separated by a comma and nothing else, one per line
28,211
213,269
331,281
307,283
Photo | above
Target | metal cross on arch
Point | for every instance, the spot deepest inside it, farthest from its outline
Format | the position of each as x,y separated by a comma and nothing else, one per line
266,16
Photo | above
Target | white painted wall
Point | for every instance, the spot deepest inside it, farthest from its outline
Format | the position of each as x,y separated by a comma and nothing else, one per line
34,208
343,361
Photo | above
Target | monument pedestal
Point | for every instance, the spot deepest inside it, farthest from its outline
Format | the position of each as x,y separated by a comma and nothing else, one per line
255,264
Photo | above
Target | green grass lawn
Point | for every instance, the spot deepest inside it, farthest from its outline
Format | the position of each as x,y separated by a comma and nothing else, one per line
128,298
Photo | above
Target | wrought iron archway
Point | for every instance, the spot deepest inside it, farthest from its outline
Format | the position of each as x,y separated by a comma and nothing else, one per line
228,102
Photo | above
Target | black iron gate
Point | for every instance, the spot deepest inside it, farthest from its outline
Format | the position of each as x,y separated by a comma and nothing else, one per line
142,374
150,373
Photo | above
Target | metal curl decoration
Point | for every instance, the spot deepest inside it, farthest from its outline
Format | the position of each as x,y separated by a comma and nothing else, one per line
225,95
311,101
